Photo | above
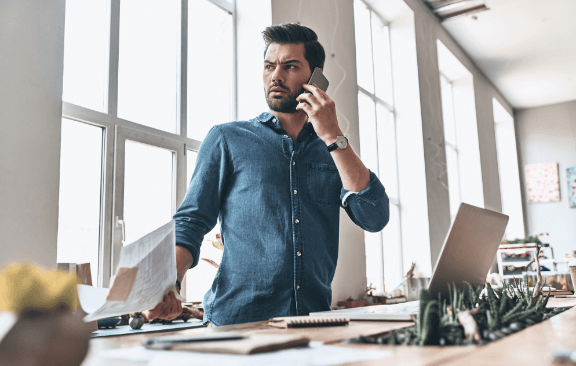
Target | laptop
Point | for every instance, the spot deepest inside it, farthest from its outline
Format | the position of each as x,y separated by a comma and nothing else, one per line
466,256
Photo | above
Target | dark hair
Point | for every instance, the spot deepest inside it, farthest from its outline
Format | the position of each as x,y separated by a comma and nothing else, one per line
287,33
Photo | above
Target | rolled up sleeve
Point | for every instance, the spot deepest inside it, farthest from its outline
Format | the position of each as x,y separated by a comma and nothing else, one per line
369,209
198,213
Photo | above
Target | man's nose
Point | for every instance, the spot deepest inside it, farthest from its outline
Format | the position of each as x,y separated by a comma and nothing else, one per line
278,75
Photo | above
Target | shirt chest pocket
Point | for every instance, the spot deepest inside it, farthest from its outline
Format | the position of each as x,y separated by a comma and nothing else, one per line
323,183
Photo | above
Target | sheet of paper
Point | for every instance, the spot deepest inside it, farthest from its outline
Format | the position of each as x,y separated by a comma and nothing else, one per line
146,272
317,354
7,321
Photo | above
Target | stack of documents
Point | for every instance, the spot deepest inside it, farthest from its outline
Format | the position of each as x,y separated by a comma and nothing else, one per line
146,272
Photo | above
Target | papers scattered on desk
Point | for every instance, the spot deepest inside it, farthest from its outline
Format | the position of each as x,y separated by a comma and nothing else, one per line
316,354
146,272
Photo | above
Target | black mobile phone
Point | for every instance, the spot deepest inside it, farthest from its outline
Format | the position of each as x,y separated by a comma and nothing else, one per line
319,79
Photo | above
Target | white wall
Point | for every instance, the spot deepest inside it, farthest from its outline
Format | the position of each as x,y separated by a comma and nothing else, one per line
548,134
333,21
31,69
428,31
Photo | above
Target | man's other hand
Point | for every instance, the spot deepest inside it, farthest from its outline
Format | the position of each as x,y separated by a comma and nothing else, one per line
169,309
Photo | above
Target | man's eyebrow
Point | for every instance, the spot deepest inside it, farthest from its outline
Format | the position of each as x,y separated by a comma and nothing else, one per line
284,63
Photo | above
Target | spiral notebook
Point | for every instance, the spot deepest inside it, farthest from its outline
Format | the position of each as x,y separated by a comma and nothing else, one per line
307,321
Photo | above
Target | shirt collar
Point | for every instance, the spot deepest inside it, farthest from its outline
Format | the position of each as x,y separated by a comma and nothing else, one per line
265,117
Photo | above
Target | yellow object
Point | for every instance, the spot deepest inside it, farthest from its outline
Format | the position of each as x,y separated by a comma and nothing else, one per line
25,285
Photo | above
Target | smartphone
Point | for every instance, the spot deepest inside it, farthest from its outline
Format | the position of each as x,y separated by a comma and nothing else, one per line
319,79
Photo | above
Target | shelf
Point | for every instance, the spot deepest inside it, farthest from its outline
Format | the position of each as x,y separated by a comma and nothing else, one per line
518,251
525,263
517,263
531,246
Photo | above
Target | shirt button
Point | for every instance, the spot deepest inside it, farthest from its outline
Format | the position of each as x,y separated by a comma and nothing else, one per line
274,120
297,287
295,192
299,253
293,163
297,221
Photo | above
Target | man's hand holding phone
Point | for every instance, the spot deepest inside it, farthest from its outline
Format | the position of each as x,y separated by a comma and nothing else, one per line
320,109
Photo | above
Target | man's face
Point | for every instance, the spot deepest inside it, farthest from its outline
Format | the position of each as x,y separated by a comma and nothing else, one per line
285,70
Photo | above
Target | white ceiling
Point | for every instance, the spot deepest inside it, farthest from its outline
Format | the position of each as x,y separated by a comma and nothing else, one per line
527,48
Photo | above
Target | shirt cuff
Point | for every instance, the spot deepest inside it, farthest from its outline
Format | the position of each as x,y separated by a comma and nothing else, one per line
346,195
366,194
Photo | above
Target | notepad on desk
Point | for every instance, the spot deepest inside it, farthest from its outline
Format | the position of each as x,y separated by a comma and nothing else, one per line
307,321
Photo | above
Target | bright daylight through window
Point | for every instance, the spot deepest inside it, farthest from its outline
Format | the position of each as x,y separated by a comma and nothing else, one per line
378,141
137,103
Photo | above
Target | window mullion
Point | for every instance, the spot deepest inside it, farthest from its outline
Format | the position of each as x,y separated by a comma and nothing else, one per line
183,97
113,57
377,154
105,254
234,98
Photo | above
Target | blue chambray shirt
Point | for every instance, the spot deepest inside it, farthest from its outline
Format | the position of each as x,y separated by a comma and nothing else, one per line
279,207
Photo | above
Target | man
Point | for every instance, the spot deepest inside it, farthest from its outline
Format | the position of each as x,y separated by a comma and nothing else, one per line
277,182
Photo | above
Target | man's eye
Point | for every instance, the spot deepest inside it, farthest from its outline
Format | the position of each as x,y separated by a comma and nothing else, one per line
268,67
290,67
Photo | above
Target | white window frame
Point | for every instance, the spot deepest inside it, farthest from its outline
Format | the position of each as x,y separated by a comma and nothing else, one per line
112,126
378,101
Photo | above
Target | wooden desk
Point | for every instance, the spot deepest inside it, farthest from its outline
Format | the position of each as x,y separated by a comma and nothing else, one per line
531,346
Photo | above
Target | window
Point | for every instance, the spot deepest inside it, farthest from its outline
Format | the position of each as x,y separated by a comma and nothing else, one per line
460,126
508,171
137,104
452,163
80,195
378,141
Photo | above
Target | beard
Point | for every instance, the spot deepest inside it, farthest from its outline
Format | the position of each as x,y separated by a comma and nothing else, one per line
285,104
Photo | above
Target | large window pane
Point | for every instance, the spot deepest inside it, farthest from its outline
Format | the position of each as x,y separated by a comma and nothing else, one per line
382,63
369,155
210,63
508,171
80,182
374,263
368,140
363,36
147,189
85,52
391,243
453,180
448,111
387,151
148,62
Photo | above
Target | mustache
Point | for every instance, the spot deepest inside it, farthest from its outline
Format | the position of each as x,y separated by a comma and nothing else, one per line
278,85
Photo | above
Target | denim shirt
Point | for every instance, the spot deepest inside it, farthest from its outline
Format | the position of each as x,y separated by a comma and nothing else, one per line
279,207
